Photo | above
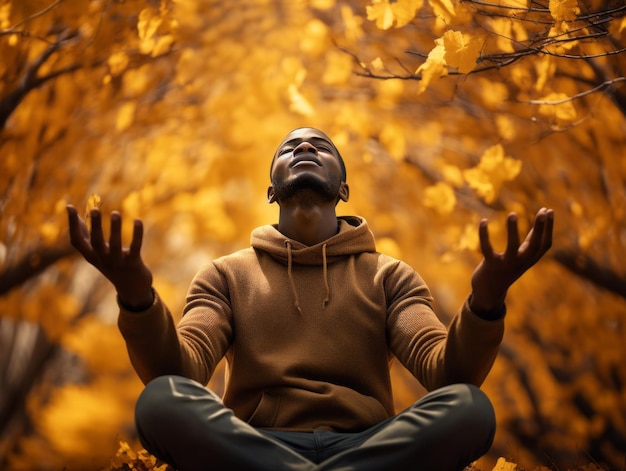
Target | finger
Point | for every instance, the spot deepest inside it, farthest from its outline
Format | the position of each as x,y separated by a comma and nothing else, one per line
135,245
78,229
115,239
533,241
483,235
97,237
79,234
546,241
512,245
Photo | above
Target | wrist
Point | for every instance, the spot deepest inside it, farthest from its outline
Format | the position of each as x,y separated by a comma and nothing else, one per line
137,302
487,310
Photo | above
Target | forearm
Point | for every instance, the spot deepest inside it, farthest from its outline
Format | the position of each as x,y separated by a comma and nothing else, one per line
490,310
151,340
472,345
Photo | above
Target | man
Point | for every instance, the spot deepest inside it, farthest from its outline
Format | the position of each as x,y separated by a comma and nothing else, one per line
309,318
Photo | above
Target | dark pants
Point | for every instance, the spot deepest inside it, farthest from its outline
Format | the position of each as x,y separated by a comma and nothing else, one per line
188,426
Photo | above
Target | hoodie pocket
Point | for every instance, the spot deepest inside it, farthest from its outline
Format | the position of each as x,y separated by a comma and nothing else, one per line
266,412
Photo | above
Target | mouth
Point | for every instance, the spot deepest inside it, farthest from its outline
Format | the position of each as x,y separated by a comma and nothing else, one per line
305,159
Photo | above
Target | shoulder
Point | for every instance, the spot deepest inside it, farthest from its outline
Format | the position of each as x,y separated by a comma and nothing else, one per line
230,261
391,264
226,263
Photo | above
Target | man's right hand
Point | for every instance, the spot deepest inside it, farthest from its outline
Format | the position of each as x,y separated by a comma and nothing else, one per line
121,266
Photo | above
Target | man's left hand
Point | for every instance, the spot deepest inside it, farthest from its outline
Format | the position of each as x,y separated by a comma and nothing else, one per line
499,270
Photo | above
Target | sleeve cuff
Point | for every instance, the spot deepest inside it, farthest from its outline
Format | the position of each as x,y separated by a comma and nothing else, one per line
493,315
140,308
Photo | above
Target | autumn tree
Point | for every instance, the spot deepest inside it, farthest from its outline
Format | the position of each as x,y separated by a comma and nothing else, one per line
543,81
445,111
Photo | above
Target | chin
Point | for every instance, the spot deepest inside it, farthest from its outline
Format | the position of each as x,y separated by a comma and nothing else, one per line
307,184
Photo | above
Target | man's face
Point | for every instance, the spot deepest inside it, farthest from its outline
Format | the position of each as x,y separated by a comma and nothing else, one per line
307,160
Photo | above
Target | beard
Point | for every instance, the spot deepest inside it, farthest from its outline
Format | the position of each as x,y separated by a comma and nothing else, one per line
307,186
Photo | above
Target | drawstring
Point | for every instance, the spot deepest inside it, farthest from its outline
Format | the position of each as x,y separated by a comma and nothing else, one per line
293,285
325,270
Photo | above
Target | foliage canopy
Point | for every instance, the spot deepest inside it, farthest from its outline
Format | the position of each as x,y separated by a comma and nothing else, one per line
446,111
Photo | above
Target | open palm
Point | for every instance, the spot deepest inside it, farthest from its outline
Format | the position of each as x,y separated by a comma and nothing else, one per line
121,266
499,270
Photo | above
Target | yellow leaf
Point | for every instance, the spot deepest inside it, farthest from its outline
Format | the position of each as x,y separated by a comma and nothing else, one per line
434,67
564,10
148,23
5,16
616,27
452,174
559,106
506,127
314,37
352,24
386,12
491,172
512,5
380,10
503,34
493,94
404,11
504,465
564,41
162,45
468,240
118,62
545,68
323,4
440,197
377,64
444,9
461,50
392,138
495,162
125,116
93,202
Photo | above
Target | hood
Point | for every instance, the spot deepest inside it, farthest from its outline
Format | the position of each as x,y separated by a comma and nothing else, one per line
353,237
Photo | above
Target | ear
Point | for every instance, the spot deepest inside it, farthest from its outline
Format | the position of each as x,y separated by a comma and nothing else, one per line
344,192
271,196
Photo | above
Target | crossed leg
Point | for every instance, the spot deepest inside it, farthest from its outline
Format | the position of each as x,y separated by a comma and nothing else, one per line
188,426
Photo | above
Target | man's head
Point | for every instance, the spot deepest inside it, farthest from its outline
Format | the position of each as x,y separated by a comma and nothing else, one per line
308,160
297,135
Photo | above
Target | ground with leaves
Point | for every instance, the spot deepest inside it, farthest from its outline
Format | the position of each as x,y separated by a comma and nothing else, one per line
127,459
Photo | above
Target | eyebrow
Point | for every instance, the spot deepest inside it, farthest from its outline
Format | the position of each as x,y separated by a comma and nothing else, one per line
313,140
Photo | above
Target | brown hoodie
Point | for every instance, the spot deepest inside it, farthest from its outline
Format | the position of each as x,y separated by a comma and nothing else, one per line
309,332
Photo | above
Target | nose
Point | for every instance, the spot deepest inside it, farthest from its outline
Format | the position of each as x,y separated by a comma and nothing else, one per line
305,147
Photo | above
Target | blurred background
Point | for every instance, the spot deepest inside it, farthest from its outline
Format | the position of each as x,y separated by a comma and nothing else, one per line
446,112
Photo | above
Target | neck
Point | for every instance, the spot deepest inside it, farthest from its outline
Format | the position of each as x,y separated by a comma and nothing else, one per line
309,225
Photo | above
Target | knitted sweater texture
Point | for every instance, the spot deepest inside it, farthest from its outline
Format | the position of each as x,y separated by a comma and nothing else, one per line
309,332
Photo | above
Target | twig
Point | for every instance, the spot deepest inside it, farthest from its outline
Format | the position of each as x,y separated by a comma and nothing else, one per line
578,95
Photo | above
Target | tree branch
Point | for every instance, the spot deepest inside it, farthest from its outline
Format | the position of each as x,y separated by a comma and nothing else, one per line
31,265
13,28
584,266
30,80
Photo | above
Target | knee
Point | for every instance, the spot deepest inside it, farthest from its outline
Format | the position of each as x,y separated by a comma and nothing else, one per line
473,409
163,398
153,401
464,405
